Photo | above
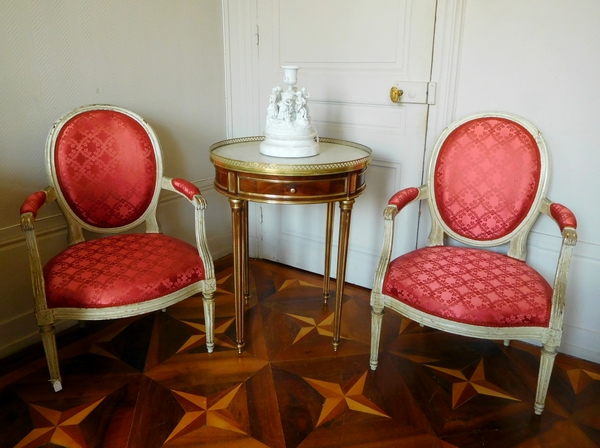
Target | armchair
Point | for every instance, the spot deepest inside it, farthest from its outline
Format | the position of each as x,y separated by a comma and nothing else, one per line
486,186
104,167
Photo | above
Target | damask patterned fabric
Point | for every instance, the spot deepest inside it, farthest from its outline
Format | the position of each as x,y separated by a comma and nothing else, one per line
563,216
121,270
185,187
106,167
472,286
486,178
403,197
34,202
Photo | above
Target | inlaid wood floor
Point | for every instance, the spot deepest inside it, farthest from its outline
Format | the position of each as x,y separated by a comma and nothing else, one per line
148,381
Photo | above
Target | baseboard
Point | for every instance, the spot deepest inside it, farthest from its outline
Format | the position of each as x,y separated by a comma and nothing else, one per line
220,246
30,338
577,342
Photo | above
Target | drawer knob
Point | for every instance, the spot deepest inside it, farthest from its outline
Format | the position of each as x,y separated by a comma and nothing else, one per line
292,190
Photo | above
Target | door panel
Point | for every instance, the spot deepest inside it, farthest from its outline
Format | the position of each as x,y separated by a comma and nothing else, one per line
351,53
365,32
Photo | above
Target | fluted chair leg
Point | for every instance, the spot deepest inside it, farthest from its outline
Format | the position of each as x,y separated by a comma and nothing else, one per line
376,319
49,341
546,364
208,301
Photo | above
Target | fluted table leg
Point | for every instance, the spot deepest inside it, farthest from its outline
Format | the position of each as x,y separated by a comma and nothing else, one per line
328,241
345,212
245,269
237,218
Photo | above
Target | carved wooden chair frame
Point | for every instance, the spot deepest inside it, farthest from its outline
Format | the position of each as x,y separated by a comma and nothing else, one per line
46,316
550,336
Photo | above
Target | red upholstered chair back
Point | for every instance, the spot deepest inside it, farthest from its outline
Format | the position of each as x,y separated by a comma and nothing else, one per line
105,164
488,177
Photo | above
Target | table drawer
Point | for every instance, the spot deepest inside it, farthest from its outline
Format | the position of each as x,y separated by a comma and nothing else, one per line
294,188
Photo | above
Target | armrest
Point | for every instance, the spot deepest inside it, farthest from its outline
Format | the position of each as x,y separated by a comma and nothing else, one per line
567,223
563,216
186,189
192,194
396,203
404,197
29,211
35,201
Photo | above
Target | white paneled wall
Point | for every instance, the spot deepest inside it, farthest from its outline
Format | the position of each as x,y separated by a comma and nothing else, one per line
163,60
537,58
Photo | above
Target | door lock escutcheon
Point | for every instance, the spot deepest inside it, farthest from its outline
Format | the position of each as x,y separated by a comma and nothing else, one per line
395,94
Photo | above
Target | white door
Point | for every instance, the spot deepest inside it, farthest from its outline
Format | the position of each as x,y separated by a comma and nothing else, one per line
351,52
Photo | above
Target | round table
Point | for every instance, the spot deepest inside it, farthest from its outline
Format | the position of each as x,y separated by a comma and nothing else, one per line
336,174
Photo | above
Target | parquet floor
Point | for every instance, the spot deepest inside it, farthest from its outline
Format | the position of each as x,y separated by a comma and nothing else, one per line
148,381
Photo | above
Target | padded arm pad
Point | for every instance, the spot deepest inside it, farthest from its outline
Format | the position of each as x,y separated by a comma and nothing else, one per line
188,189
403,197
33,203
563,216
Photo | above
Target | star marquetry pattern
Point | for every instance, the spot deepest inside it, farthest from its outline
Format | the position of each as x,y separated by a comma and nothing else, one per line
409,354
219,335
294,282
580,378
220,282
56,427
309,324
206,411
445,444
97,349
404,323
463,388
338,399
419,359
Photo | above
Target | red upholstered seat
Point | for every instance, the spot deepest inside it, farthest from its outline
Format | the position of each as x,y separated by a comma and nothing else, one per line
105,169
485,187
471,286
121,270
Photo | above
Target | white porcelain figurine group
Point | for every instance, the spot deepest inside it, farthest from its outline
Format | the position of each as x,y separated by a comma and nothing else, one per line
288,107
288,131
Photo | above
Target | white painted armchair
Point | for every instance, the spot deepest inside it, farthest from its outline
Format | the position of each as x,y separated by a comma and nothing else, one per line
104,166
486,186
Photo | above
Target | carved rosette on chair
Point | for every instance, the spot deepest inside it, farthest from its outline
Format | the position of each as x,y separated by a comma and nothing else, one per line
289,132
104,166
486,187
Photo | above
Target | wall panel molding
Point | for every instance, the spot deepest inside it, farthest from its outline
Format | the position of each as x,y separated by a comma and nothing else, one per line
54,225
241,37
